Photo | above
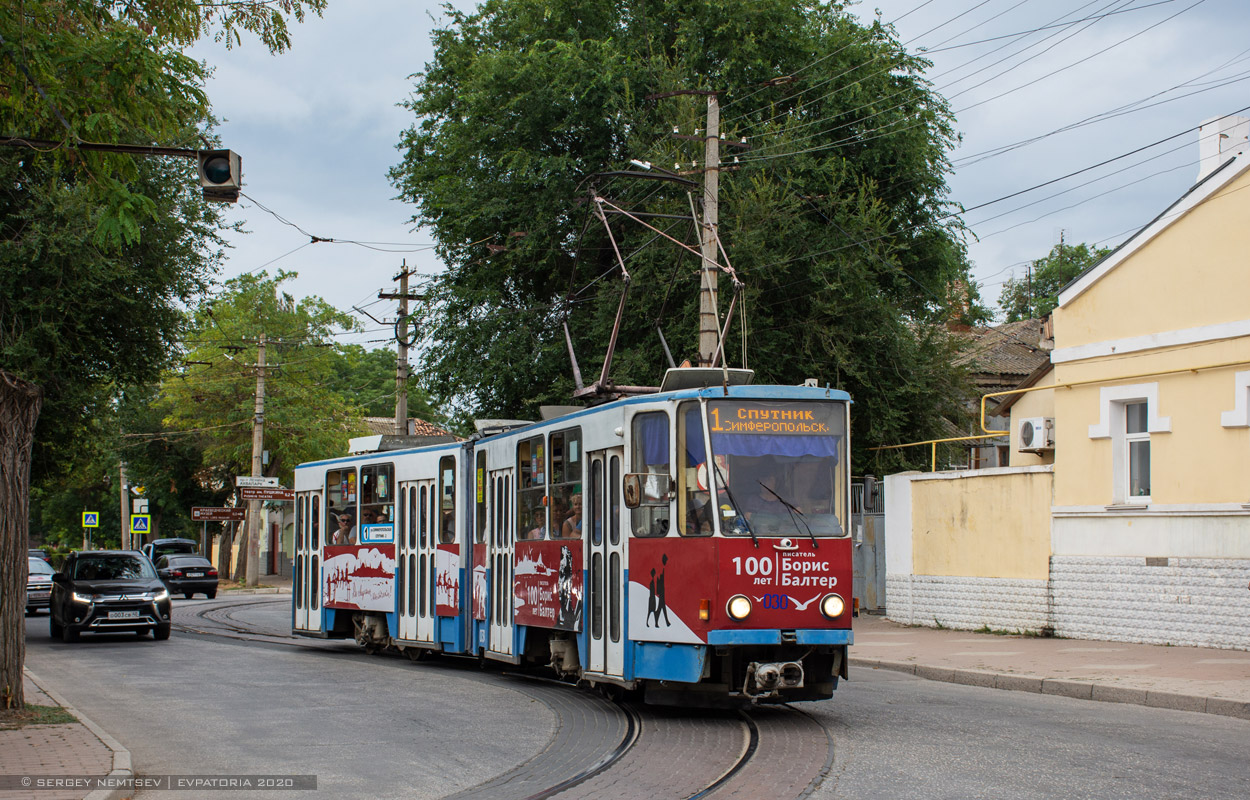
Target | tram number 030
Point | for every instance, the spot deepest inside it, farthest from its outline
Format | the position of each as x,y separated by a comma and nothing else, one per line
754,566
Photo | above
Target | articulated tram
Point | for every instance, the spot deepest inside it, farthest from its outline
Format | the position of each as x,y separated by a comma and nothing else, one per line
691,543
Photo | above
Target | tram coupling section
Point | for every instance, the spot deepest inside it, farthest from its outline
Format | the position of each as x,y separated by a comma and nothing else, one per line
766,678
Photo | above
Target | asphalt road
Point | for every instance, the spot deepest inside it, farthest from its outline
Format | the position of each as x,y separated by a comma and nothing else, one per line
381,727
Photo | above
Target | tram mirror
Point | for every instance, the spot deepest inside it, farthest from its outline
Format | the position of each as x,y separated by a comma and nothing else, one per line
646,489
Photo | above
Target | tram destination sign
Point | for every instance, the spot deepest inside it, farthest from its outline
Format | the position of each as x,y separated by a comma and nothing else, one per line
251,481
204,514
776,419
267,493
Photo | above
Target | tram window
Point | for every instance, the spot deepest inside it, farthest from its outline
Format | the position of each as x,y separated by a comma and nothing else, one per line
596,502
315,519
412,518
424,516
614,501
694,501
341,498
377,502
614,596
596,592
299,580
315,585
566,499
479,534
299,522
650,457
531,489
447,499
412,585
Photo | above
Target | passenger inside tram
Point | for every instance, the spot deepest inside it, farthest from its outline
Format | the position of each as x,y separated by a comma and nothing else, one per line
572,526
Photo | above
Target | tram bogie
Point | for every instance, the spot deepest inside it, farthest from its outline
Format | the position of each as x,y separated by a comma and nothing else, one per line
691,544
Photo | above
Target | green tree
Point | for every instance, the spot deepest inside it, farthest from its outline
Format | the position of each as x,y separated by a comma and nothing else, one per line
836,219
366,379
98,250
1037,293
214,396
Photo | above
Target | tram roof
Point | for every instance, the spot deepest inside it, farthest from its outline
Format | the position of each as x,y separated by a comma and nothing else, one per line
757,392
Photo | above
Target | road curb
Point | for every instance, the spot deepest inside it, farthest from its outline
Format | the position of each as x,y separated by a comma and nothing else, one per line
123,767
1080,690
261,590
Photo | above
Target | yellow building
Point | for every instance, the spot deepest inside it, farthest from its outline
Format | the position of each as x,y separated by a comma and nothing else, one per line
1146,533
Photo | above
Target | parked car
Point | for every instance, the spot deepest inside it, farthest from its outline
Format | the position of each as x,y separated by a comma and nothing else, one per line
108,591
40,554
38,584
188,575
165,547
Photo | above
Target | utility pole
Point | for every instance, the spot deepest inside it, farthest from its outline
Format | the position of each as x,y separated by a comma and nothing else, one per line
402,341
258,447
709,318
125,507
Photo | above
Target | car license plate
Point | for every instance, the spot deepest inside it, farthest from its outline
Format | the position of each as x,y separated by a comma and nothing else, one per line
40,595
195,574
123,614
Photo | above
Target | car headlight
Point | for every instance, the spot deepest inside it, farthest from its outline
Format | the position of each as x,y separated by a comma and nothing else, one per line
82,598
832,606
160,596
739,607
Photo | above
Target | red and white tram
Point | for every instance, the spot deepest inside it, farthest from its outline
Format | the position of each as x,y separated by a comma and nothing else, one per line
692,543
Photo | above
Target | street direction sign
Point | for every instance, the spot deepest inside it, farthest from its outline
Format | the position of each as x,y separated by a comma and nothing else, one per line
140,523
250,481
267,493
91,519
206,514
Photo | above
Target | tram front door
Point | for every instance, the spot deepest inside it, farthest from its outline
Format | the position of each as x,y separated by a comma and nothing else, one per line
416,546
606,546
499,554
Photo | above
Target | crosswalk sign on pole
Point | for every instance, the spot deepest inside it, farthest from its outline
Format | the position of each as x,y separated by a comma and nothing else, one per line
91,519
140,523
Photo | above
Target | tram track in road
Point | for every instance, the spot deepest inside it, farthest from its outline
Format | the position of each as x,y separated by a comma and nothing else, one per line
602,748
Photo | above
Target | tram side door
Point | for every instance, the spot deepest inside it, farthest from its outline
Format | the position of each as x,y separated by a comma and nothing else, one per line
426,573
606,546
306,577
499,555
406,561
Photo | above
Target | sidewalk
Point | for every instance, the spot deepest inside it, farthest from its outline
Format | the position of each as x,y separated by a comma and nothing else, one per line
1182,678
269,584
74,751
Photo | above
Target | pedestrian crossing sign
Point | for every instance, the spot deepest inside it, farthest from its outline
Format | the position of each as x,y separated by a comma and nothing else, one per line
91,519
140,523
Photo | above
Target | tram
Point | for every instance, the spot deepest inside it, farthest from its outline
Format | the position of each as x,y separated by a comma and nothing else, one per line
692,544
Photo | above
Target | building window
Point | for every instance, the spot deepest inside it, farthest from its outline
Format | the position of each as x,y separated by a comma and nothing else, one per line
1137,451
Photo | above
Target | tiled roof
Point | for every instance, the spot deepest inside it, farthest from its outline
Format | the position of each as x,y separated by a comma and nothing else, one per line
419,427
1005,353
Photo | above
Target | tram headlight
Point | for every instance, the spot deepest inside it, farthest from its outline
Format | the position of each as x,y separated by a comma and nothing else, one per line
739,607
832,606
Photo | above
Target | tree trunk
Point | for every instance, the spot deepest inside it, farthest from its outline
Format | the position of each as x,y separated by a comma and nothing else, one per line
223,550
19,411
240,572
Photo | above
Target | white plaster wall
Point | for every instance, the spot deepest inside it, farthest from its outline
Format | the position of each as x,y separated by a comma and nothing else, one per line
1221,531
898,553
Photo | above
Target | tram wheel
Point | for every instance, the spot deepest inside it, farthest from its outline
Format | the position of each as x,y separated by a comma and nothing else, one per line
416,654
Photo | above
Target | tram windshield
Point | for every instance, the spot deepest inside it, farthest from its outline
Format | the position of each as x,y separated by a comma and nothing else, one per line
779,467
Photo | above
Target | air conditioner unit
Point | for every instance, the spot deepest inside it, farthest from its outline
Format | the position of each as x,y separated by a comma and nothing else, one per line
1037,434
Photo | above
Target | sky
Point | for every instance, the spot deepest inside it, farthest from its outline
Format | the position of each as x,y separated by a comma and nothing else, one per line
317,129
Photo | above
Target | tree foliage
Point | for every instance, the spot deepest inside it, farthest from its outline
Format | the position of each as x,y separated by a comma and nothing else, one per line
1037,293
836,219
214,397
98,250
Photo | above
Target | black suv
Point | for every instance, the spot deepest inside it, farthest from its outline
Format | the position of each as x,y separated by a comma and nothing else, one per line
165,547
108,591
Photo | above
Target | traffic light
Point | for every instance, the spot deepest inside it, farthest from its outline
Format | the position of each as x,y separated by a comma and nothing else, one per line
221,175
